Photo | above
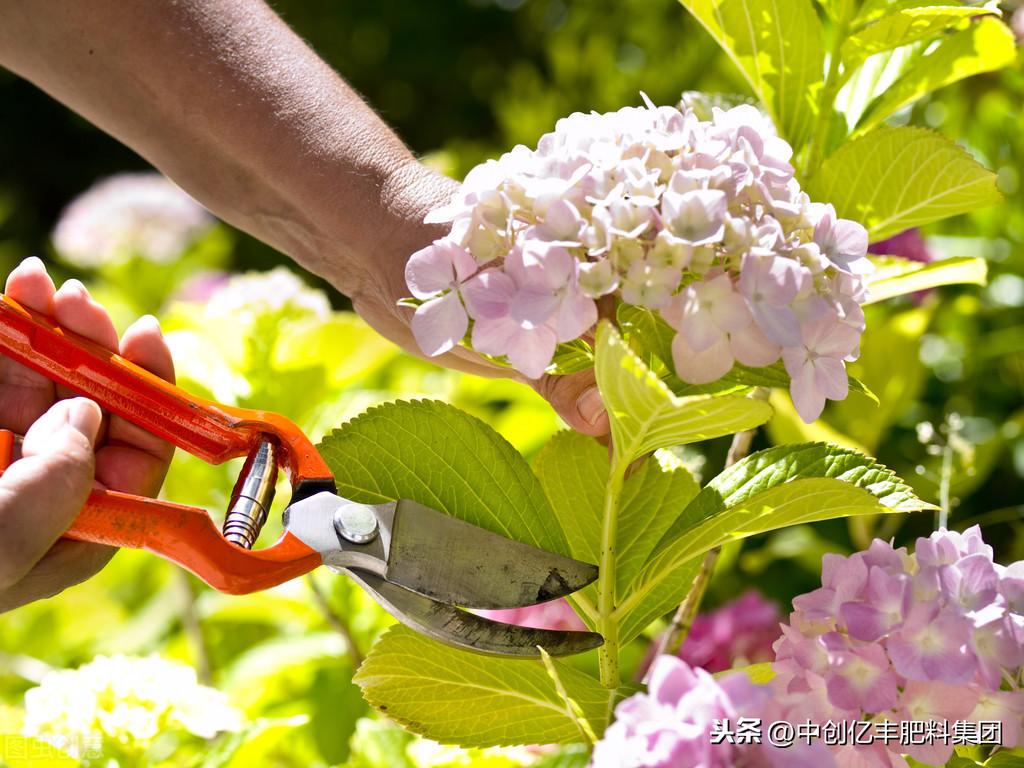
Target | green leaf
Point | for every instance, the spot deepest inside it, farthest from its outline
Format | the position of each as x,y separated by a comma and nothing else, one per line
898,277
896,178
648,334
759,674
571,357
777,46
770,489
644,413
573,469
765,470
904,26
986,45
437,455
652,595
652,497
458,697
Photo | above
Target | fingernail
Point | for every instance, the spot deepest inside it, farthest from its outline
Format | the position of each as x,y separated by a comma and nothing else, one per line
590,405
33,262
84,415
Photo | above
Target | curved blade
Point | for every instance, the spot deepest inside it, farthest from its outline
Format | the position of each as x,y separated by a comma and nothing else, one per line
460,563
468,631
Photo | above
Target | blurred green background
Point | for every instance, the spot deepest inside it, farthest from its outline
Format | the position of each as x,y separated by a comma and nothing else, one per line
463,80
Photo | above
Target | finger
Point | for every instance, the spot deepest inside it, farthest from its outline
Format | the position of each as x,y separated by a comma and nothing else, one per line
76,311
25,394
66,563
133,460
575,398
43,492
31,286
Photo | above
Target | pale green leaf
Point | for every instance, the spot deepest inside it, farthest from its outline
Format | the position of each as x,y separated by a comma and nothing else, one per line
344,345
458,697
652,497
572,707
777,46
986,45
573,470
444,458
895,178
772,467
652,595
904,26
897,277
646,416
571,357
770,489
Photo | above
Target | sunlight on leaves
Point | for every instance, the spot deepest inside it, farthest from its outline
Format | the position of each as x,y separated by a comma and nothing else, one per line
896,178
899,277
437,455
454,696
777,46
646,416
985,46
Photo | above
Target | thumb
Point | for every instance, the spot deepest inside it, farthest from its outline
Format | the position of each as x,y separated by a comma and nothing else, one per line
43,492
576,399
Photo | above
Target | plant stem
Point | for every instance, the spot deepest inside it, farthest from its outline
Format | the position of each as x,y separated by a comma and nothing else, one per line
336,622
672,638
193,629
608,625
829,91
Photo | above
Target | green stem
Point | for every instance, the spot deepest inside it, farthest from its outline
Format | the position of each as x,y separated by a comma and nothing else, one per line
945,479
608,623
828,94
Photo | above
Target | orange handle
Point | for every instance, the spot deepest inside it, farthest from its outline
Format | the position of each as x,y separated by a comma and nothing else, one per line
211,431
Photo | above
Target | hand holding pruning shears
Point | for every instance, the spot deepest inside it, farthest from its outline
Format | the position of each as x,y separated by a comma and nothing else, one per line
66,446
419,564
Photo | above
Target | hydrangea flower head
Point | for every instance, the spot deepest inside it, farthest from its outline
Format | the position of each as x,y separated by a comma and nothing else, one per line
738,633
700,220
671,724
125,700
937,635
128,215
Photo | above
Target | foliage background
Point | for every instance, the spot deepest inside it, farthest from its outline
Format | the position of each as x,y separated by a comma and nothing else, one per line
462,81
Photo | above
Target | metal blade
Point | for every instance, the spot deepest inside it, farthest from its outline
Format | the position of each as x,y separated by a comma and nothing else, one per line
459,563
468,631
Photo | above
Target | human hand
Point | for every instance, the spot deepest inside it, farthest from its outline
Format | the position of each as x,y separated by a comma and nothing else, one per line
413,192
69,445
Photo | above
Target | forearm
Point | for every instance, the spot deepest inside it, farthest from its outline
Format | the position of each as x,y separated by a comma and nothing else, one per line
226,100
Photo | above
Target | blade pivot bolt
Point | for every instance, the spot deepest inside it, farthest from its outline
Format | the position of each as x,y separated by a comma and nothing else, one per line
356,523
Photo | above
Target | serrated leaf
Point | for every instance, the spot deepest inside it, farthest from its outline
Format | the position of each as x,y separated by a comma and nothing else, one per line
892,179
899,277
767,469
777,46
435,454
645,415
652,595
904,26
457,697
652,497
986,45
573,470
770,489
571,357
572,707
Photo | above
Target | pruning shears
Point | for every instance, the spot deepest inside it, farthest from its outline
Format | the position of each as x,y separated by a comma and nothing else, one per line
421,565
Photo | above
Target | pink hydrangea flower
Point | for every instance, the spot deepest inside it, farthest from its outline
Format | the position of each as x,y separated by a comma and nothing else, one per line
700,220
894,636
671,724
740,632
554,614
